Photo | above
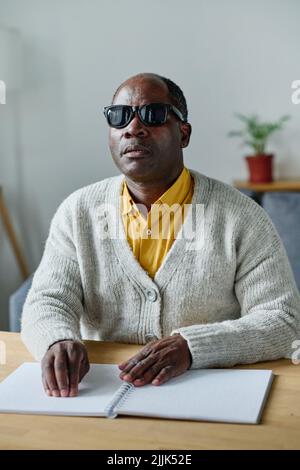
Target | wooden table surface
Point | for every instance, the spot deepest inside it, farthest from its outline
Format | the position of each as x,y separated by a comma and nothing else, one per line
279,428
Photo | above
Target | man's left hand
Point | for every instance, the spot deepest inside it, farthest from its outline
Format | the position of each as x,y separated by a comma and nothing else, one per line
157,362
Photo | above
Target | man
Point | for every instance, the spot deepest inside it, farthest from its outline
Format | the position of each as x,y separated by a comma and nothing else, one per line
231,299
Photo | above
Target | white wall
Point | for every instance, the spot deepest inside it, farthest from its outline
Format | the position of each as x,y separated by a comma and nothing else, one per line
227,55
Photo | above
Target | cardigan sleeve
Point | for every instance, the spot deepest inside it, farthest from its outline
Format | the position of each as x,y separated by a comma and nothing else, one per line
269,320
53,306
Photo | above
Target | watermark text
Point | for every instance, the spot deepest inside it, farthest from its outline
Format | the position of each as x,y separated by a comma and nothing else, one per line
2,92
296,354
2,353
296,94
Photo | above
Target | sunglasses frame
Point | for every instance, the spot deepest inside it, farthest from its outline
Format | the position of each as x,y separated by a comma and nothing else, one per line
137,109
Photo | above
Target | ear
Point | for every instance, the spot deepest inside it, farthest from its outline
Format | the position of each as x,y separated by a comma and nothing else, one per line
186,131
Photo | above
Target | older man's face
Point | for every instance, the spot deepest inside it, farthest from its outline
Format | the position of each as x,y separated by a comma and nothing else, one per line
163,144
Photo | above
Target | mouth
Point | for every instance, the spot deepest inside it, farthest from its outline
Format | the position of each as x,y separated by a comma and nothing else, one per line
136,151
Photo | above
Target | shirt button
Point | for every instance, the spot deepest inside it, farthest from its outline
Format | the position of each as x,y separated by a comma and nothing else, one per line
151,295
149,231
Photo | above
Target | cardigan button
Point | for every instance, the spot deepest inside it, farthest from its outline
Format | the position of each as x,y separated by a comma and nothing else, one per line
151,295
149,337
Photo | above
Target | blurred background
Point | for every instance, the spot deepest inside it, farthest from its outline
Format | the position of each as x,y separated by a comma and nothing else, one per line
62,61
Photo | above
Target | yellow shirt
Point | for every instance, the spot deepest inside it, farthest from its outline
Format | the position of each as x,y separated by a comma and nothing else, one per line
151,239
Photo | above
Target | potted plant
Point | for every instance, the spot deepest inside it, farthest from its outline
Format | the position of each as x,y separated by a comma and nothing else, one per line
255,134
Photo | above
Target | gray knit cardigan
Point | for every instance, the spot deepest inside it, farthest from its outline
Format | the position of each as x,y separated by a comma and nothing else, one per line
226,285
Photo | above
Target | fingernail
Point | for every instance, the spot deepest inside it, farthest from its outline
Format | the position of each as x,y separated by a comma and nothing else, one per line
48,393
127,377
139,381
64,392
55,393
155,381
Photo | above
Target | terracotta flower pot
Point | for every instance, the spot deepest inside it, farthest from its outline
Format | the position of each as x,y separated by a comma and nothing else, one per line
260,168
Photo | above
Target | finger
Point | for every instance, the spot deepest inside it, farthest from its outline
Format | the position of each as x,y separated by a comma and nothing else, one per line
74,364
139,369
160,352
166,354
129,363
150,374
49,377
165,359
61,373
138,361
85,367
83,370
164,375
45,385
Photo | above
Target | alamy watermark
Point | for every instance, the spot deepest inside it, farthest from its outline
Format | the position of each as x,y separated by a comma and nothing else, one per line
2,353
296,354
296,94
164,222
2,92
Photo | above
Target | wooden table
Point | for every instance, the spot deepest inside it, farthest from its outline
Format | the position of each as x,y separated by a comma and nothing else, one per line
279,429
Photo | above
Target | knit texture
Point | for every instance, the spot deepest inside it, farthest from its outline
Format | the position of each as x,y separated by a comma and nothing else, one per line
228,289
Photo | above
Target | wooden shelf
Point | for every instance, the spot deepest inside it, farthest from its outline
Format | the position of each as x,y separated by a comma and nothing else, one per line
279,185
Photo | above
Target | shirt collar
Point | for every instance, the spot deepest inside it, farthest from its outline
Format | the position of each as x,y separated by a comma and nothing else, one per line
173,195
178,191
128,205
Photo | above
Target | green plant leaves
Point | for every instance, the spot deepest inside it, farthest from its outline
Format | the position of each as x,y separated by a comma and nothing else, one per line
256,133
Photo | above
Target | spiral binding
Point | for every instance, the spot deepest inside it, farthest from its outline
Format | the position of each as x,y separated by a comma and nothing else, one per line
117,400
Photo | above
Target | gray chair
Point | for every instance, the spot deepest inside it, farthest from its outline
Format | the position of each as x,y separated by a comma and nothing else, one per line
284,210
252,194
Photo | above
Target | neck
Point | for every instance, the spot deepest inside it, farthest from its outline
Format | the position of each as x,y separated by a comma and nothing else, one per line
147,192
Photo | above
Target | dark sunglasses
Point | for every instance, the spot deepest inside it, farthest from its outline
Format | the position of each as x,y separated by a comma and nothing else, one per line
153,114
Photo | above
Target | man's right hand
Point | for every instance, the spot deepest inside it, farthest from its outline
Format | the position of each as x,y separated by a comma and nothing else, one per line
63,367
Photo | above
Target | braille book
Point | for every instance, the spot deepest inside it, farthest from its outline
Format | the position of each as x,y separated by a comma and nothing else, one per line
222,395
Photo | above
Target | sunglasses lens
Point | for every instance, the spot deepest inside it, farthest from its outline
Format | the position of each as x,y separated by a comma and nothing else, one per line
118,116
153,114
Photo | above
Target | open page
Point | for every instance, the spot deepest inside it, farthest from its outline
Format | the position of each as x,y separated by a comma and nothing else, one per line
226,395
23,392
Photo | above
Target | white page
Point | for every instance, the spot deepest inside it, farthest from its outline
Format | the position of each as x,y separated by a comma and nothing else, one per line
23,392
226,395
211,395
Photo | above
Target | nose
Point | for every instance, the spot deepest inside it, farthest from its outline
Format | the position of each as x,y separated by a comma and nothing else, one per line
135,128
